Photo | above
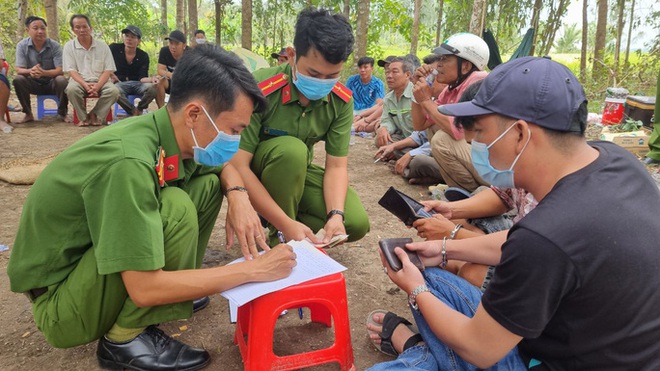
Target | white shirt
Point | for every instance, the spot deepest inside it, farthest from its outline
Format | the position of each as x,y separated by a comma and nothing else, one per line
89,63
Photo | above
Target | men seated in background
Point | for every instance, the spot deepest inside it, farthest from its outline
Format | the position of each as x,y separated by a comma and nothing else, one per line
39,69
4,93
368,90
200,37
396,119
306,104
167,58
112,249
89,64
369,120
132,65
414,161
281,56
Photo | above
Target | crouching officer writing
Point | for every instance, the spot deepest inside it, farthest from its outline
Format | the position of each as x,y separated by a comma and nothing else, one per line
114,230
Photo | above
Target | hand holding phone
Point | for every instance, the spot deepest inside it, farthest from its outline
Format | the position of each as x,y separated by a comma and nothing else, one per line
387,246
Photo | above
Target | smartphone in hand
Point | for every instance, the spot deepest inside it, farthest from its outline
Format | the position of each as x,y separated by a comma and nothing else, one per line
387,246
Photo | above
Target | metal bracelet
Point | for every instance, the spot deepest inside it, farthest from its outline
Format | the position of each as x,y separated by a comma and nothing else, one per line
443,264
237,188
456,228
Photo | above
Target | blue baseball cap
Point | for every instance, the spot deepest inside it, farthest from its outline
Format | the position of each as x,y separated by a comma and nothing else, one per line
534,89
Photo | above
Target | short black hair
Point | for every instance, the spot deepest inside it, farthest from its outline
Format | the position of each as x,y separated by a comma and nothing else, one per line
467,122
432,58
325,31
32,18
216,76
199,31
365,60
414,60
79,16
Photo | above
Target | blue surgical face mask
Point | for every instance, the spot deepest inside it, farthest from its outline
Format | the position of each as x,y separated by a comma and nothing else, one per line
313,88
221,149
481,162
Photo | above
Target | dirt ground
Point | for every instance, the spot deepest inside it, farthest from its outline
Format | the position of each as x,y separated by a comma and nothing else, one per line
22,346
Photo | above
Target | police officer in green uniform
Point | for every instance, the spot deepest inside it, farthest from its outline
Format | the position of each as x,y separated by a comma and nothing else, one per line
306,104
114,230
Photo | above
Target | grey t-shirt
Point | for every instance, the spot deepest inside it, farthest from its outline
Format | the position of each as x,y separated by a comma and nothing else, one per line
49,57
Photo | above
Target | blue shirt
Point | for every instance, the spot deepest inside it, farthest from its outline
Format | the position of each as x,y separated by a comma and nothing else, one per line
365,95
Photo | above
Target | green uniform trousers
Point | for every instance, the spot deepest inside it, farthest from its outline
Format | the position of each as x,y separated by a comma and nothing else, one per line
654,141
282,165
84,307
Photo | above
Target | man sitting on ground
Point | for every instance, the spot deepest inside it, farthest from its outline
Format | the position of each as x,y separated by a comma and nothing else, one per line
396,120
39,69
132,66
167,59
89,63
368,90
573,288
462,60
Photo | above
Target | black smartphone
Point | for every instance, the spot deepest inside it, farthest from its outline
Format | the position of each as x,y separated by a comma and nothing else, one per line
387,246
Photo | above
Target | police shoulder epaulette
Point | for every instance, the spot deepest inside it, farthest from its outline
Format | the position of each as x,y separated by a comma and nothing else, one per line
273,84
342,92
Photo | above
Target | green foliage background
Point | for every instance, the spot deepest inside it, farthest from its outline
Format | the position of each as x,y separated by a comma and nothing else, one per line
390,24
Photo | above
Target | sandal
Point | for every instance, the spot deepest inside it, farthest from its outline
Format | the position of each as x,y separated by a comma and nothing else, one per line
390,323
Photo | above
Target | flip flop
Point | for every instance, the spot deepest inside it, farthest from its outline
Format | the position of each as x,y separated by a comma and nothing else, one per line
390,323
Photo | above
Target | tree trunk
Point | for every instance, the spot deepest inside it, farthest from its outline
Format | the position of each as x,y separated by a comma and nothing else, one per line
601,31
218,21
192,18
163,20
414,37
476,26
621,4
438,30
51,18
585,37
246,27
630,26
22,14
347,9
180,9
538,5
550,31
361,29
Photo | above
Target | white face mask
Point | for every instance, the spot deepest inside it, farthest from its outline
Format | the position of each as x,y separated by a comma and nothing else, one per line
200,41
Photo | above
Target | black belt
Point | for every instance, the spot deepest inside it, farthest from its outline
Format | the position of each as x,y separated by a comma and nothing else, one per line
35,293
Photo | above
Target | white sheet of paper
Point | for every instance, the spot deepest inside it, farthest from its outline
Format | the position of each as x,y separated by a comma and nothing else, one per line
312,264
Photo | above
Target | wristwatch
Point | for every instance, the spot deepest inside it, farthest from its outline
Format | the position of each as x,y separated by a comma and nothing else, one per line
412,298
333,213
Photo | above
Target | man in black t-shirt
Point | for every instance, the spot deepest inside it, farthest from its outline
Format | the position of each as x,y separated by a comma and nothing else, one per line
132,65
574,287
167,58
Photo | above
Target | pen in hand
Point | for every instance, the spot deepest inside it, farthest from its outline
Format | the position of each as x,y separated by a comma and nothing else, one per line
280,237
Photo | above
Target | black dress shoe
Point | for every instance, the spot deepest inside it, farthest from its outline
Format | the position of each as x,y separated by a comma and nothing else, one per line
201,303
151,350
650,161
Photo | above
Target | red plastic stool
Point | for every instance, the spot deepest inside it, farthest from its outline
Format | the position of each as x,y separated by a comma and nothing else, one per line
108,119
326,299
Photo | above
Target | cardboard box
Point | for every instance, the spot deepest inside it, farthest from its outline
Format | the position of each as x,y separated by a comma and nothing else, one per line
636,142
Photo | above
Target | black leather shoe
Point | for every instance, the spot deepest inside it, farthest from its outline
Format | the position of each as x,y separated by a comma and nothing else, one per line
151,350
201,303
650,161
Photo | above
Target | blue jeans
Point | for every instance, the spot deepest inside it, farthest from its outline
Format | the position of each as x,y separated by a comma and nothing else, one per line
461,296
146,92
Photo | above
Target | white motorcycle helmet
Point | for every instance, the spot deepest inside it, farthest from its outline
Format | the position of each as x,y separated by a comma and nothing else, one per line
467,46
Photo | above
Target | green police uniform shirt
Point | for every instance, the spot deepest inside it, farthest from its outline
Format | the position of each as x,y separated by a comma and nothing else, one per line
328,119
101,192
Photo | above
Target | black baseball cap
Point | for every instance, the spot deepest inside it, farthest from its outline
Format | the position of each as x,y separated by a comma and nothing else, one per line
177,35
282,54
134,30
382,63
534,89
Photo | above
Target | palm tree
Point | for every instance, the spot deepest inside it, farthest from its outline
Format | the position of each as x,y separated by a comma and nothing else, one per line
568,42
